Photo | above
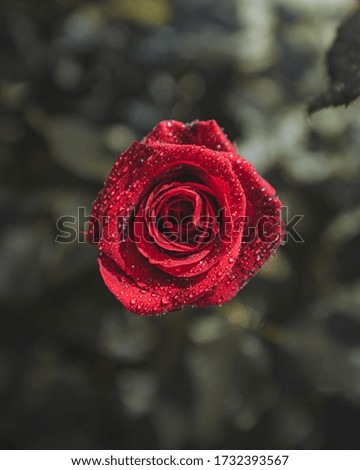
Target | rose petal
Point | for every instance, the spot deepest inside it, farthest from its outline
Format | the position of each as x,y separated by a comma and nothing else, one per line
119,177
207,133
134,298
263,212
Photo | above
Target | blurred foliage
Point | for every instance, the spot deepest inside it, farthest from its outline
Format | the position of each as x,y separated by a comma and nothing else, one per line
278,367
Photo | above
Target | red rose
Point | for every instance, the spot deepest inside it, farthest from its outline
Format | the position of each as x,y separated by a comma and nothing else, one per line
183,220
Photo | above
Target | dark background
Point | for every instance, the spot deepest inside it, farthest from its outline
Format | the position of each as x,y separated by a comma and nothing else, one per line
279,366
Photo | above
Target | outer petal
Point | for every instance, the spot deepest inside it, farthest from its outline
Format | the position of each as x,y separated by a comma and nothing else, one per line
134,298
263,233
206,133
108,199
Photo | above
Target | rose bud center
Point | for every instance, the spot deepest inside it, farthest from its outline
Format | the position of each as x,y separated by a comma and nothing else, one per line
181,215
